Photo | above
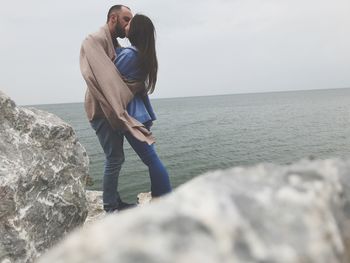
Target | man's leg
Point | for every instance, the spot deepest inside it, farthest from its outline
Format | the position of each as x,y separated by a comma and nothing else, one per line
112,144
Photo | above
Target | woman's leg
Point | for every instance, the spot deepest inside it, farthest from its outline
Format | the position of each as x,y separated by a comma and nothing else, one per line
160,183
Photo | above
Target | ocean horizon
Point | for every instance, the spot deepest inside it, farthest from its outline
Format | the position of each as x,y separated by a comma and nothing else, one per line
194,96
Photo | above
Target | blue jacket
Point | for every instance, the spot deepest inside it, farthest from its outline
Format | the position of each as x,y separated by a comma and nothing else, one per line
126,62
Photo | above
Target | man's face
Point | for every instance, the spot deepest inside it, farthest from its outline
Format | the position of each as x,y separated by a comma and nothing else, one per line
122,19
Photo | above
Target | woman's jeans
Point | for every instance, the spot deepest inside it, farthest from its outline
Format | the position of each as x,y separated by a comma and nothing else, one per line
160,183
112,144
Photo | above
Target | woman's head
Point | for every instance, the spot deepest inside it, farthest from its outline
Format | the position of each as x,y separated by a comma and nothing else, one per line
141,34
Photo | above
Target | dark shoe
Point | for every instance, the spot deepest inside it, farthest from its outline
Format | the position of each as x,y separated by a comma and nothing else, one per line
109,209
121,206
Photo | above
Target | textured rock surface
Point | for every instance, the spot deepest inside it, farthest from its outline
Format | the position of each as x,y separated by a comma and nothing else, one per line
145,198
42,173
267,213
95,204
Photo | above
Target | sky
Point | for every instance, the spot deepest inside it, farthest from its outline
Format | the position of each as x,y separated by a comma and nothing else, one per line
204,47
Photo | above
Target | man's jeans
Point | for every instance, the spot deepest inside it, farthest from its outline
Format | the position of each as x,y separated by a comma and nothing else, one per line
112,144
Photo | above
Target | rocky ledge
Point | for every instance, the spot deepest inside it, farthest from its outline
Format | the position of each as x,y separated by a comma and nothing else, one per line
267,213
95,204
42,179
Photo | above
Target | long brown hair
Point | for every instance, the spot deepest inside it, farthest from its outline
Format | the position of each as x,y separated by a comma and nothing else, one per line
142,36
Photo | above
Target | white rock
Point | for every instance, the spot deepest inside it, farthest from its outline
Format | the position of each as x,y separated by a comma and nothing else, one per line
255,214
42,175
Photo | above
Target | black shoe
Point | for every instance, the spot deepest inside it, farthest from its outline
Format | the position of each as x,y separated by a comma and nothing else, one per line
121,206
109,209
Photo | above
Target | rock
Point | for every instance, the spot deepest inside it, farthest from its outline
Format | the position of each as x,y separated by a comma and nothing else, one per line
144,198
42,172
267,213
95,204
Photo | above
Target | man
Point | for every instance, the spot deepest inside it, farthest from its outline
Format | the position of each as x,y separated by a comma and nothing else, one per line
106,99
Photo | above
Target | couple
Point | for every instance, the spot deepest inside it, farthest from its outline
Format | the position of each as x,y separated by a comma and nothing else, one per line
116,101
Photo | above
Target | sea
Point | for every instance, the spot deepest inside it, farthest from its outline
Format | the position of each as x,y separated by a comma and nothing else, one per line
195,135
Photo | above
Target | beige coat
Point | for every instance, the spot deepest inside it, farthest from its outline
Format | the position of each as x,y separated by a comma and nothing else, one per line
107,95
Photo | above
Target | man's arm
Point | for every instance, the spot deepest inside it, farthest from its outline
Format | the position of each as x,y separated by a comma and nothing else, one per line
102,77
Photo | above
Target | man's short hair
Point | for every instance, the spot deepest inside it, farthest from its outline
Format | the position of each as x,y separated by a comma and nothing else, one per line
115,8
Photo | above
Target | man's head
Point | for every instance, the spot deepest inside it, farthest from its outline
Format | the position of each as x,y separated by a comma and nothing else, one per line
118,18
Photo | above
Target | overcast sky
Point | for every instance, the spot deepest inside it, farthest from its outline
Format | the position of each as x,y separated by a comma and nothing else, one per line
205,47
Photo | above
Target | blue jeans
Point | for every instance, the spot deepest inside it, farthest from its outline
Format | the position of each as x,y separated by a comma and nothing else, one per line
160,183
112,145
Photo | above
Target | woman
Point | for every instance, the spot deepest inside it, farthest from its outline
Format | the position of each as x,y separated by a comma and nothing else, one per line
139,62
